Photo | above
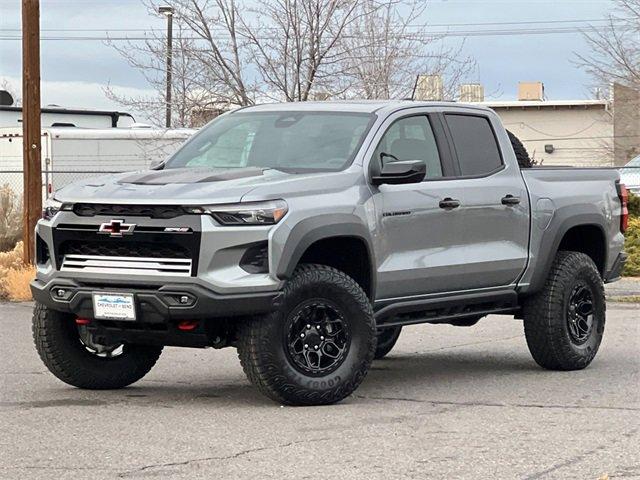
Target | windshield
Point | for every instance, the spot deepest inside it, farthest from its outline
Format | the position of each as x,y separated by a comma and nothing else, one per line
634,163
288,141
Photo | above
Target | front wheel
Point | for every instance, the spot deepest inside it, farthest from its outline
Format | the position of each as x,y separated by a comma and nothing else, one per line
68,351
318,347
564,322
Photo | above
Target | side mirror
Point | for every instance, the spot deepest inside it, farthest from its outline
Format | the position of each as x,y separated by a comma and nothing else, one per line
397,173
156,165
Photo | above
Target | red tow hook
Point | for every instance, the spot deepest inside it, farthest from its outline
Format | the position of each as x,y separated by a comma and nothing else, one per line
187,325
82,321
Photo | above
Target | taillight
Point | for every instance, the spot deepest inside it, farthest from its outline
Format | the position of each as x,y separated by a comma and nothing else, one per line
623,195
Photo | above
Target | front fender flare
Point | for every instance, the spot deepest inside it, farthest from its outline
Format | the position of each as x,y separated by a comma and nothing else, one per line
308,231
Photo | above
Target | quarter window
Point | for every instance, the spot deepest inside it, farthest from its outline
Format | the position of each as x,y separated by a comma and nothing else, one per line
475,144
410,138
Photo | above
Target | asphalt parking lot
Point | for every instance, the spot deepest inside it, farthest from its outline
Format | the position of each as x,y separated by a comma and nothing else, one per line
451,403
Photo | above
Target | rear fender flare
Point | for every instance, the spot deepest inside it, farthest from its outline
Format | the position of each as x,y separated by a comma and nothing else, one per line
551,243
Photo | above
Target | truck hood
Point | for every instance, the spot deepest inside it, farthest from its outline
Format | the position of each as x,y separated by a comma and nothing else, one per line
182,186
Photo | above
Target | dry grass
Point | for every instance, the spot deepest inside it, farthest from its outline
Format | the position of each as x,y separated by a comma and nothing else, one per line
10,218
12,259
15,284
15,276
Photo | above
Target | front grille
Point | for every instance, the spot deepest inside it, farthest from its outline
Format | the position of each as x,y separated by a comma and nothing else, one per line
152,211
131,258
122,249
154,248
126,265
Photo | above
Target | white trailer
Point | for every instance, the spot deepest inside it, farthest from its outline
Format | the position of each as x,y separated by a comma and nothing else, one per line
69,154
51,116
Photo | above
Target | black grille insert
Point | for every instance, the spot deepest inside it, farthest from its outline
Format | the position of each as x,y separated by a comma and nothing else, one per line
152,211
129,249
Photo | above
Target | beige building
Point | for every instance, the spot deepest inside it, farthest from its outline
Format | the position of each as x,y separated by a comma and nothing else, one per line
574,132
561,132
567,132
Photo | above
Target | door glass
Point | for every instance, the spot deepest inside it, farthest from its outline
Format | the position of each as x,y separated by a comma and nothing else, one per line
410,138
475,144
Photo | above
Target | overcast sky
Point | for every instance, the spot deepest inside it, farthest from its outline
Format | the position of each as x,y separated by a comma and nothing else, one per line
74,72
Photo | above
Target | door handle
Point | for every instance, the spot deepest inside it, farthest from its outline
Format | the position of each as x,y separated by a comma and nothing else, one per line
449,203
510,200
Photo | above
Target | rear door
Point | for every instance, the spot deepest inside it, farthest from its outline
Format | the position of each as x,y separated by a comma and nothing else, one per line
494,204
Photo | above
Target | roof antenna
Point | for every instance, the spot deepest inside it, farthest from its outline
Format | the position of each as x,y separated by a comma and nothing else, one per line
415,87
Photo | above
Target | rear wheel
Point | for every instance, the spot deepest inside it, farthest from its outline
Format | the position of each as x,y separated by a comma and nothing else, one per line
387,338
564,323
69,352
318,347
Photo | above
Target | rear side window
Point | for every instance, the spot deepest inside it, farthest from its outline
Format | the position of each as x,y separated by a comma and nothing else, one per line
475,144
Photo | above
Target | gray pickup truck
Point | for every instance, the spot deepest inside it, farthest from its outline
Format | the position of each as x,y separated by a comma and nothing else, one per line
307,235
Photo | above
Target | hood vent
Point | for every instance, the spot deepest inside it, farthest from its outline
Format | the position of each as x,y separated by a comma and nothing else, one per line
189,175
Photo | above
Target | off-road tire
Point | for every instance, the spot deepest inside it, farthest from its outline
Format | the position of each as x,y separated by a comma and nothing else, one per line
546,314
263,351
387,338
524,160
58,343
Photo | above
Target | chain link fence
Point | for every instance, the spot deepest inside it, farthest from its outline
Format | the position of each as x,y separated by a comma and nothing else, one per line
11,186
11,189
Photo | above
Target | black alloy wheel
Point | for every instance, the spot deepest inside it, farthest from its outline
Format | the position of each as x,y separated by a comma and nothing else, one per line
317,337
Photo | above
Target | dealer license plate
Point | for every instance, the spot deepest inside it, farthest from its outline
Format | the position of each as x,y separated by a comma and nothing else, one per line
114,306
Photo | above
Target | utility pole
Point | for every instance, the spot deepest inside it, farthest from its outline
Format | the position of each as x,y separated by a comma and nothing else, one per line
168,12
31,156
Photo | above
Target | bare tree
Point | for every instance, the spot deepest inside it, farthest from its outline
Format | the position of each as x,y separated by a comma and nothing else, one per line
386,49
149,58
297,44
615,48
220,52
289,51
614,63
207,68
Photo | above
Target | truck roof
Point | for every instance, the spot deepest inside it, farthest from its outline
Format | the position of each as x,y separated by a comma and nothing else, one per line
354,106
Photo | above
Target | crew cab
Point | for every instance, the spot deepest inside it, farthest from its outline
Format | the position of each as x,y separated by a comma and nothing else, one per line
307,235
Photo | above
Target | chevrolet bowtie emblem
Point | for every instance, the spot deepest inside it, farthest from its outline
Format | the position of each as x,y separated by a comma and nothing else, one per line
116,228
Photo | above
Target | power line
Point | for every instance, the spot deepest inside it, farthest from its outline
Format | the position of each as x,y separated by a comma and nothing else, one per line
424,25
441,34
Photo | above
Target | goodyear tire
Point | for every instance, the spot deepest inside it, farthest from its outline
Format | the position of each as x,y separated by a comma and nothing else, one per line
564,323
318,347
387,338
59,343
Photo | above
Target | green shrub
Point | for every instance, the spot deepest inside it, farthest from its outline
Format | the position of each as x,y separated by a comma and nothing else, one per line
634,205
632,247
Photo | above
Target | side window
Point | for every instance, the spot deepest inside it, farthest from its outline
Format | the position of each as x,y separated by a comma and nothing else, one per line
411,138
475,144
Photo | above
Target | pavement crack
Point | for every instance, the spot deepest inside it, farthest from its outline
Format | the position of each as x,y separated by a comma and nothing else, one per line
579,458
495,404
232,456
493,340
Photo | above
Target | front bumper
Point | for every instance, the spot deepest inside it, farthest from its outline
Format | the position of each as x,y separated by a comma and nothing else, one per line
156,304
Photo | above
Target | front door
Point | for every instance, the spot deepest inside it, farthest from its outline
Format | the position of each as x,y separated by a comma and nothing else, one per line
418,249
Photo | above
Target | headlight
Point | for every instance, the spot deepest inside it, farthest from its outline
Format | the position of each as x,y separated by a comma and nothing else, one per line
52,206
250,213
